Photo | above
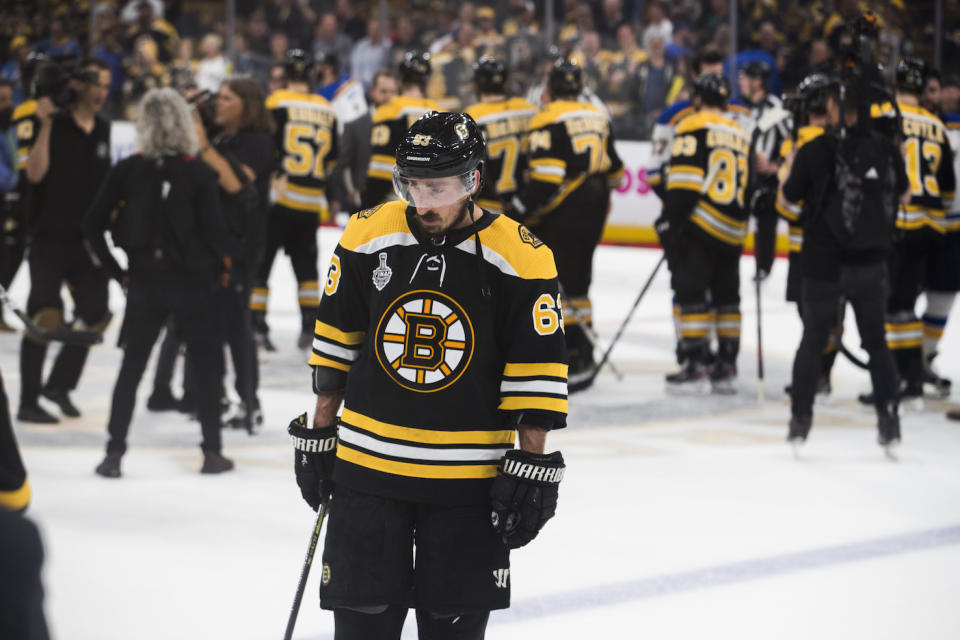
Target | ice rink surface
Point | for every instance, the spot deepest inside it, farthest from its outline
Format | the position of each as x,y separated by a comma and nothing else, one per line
678,517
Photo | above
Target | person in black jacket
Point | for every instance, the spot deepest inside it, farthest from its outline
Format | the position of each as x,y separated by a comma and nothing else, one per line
171,227
243,155
850,184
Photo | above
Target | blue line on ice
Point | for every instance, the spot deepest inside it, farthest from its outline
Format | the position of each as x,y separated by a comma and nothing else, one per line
721,575
728,574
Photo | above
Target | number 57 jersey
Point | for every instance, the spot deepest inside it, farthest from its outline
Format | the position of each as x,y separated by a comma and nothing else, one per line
308,146
441,351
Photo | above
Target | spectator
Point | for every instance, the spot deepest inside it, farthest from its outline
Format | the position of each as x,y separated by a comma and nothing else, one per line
328,39
610,20
214,66
680,43
404,39
658,24
110,50
489,40
183,69
258,33
59,43
279,43
352,25
157,29
8,144
654,78
247,62
276,79
291,17
144,74
11,70
369,54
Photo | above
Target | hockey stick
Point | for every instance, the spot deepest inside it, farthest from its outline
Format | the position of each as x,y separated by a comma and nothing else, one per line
759,343
66,335
305,571
626,321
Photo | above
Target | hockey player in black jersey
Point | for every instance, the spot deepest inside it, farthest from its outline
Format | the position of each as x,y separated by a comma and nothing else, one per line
390,123
441,331
703,227
573,166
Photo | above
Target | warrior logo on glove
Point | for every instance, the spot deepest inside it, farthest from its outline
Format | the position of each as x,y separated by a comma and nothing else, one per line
524,494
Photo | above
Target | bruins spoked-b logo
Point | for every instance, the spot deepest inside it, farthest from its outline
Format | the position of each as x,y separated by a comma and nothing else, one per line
424,341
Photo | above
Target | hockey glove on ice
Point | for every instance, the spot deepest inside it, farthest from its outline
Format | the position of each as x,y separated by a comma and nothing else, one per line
316,450
524,494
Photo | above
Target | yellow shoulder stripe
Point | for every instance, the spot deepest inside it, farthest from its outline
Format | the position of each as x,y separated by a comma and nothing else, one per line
525,254
384,220
25,109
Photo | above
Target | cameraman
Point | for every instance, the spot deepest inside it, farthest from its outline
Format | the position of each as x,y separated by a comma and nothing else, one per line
851,179
243,156
66,164
172,230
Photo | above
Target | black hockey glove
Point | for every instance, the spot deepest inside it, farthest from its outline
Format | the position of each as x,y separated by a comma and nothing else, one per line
669,232
316,450
524,494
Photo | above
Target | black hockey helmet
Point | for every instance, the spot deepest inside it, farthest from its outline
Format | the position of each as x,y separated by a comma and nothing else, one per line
565,79
414,68
911,75
490,75
813,90
297,66
440,145
713,89
756,69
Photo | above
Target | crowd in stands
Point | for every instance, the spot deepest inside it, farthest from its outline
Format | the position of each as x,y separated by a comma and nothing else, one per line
636,53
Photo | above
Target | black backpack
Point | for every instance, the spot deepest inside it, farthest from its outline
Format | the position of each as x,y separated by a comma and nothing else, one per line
861,206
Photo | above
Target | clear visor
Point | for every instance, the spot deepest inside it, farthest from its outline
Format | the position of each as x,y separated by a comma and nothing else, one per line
435,192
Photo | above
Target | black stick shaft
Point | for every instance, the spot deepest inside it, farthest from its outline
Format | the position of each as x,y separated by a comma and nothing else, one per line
759,344
626,320
305,572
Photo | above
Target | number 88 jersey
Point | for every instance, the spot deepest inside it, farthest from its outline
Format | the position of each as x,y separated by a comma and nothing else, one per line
708,166
307,140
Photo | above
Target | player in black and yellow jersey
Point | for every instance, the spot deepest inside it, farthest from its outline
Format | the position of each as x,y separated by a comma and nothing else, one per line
390,123
572,168
703,227
922,222
812,92
504,124
308,147
440,329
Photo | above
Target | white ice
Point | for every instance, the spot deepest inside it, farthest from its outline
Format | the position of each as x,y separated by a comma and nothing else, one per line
678,518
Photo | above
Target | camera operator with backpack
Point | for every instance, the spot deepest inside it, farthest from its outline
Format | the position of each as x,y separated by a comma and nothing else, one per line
851,180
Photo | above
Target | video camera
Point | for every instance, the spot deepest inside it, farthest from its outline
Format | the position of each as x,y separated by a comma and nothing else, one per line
52,77
205,102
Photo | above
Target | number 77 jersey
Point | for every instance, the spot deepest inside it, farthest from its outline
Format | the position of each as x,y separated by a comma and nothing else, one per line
708,171
504,124
308,145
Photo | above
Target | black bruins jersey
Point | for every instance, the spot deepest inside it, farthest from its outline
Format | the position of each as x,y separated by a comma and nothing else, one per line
709,159
25,126
568,142
441,353
504,126
928,160
792,211
390,123
308,146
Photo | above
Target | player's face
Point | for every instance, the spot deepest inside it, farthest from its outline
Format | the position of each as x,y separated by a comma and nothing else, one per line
440,204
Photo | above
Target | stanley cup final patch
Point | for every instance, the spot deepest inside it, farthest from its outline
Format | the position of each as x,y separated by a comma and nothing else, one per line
382,274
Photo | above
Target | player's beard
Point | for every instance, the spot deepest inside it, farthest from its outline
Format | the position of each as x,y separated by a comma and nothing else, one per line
437,234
